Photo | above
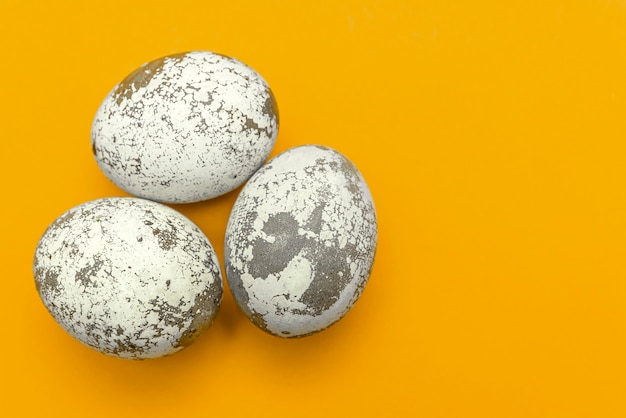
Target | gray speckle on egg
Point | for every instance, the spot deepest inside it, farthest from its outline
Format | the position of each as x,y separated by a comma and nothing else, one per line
185,127
300,241
128,277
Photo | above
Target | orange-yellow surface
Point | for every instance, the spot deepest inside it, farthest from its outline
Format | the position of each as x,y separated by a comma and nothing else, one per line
493,138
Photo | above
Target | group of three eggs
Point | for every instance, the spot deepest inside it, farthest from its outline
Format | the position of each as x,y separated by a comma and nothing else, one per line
132,277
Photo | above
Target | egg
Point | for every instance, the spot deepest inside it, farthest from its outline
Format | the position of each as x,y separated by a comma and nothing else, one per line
128,277
185,127
300,241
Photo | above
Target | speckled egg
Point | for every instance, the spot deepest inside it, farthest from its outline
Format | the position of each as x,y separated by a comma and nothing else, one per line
128,277
300,241
185,128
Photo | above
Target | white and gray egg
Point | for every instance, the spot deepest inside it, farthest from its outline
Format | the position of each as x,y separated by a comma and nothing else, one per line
185,127
128,277
300,241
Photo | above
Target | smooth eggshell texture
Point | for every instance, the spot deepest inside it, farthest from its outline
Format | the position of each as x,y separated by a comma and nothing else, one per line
300,241
128,277
185,128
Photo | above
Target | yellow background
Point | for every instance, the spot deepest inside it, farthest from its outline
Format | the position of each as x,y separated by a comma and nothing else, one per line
492,136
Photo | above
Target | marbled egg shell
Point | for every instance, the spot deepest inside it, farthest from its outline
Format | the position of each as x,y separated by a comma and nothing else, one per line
128,277
185,128
300,241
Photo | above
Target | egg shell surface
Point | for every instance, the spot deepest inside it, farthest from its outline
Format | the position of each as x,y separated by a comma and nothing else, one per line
300,241
128,277
185,127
